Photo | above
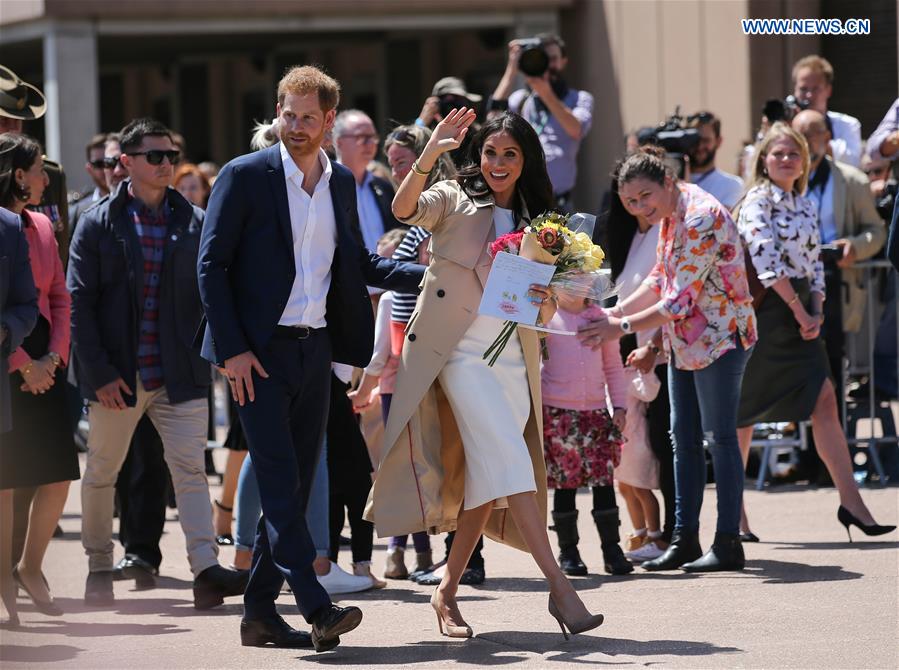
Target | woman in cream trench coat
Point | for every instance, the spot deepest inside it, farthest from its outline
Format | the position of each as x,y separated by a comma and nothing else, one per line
421,478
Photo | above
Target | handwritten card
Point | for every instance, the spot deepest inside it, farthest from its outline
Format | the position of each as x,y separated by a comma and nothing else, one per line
506,293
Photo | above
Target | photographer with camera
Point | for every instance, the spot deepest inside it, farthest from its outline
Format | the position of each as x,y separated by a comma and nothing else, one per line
812,88
448,93
560,115
724,187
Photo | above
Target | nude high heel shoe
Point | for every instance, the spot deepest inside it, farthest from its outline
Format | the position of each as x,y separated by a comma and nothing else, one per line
589,622
448,629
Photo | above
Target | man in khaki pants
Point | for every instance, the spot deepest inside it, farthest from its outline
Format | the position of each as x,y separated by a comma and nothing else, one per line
136,308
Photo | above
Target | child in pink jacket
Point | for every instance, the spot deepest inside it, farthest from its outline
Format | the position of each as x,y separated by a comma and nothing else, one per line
584,401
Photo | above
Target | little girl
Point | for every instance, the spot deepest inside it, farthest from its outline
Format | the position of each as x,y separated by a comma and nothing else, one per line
581,440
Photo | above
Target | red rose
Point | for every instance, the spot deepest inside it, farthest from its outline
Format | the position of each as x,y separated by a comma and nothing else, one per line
510,243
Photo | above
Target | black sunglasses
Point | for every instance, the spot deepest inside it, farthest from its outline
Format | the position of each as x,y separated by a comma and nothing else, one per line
98,164
155,156
109,162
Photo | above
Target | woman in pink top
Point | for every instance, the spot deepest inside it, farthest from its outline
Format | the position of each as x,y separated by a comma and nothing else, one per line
39,451
581,439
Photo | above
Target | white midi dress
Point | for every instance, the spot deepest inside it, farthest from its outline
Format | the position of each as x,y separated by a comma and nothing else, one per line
491,406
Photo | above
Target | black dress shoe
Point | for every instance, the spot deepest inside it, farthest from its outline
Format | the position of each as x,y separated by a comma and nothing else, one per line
570,562
273,631
726,554
142,572
330,623
216,583
98,589
684,548
749,536
472,576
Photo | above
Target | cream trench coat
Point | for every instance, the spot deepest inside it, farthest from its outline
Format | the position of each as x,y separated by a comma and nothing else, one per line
421,478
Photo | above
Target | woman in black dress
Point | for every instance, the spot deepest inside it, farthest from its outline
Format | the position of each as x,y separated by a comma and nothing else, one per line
788,377
39,451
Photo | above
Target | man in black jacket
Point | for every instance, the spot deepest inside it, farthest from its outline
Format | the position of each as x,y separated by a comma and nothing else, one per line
282,276
135,311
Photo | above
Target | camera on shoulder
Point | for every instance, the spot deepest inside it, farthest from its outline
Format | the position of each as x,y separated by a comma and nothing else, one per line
776,109
675,136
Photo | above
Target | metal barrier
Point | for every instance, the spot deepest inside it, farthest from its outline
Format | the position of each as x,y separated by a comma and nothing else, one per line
876,411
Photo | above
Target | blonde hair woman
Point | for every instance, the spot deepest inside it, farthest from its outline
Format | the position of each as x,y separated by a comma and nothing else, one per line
789,378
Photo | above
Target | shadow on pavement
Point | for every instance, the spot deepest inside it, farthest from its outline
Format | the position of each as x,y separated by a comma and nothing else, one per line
782,572
51,653
506,647
62,627
163,607
539,585
828,546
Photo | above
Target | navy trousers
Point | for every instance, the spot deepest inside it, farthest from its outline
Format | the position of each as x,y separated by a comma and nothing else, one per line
284,428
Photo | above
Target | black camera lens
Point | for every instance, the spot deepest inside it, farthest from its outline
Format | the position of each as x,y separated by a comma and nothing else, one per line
533,60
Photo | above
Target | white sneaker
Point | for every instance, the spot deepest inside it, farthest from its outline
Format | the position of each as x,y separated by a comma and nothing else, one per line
647,552
339,581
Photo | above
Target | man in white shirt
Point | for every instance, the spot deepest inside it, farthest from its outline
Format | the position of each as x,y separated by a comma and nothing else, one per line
813,84
356,143
281,275
724,187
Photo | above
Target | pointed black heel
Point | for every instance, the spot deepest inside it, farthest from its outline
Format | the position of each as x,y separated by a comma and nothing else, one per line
845,517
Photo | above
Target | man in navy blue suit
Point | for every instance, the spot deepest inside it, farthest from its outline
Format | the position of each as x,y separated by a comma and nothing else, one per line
282,273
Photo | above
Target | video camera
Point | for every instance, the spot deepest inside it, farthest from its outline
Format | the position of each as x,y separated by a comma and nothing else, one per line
776,109
533,60
675,136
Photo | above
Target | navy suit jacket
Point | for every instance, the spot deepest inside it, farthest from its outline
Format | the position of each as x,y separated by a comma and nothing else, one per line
18,301
246,266
893,241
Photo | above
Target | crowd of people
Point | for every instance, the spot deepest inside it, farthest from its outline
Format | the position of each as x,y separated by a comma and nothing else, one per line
336,298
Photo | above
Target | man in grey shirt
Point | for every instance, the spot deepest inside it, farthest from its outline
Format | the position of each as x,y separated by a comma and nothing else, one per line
560,115
724,187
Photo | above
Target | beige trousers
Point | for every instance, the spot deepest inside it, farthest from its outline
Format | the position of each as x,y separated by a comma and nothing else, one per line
182,428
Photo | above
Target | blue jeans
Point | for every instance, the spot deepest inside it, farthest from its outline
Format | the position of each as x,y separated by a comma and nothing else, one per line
249,507
704,406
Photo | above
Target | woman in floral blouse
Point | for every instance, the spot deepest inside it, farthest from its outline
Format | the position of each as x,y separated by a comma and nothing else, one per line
699,295
790,376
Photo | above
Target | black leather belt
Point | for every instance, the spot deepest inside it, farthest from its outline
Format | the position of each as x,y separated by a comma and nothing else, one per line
294,332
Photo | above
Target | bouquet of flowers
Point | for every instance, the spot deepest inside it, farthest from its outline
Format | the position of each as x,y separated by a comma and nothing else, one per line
562,240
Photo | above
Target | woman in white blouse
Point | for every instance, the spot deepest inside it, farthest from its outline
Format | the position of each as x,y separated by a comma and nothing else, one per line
788,377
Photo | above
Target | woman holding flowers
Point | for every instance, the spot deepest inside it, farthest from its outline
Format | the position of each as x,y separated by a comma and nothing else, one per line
698,293
463,442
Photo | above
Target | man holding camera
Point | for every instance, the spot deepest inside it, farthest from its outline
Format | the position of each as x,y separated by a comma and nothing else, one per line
725,188
560,115
812,88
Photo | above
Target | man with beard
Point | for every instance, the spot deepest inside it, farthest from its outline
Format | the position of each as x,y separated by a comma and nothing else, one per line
282,274
560,115
724,187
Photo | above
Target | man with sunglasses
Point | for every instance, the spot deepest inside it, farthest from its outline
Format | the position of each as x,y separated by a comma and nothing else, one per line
94,167
356,142
135,309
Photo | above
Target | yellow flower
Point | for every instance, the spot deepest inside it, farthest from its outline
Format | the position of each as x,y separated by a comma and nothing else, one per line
598,253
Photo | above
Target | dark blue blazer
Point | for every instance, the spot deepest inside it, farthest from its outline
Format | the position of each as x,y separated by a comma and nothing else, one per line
893,241
106,280
246,266
18,300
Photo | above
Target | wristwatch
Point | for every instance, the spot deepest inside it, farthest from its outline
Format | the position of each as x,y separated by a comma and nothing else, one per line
625,324
56,358
653,348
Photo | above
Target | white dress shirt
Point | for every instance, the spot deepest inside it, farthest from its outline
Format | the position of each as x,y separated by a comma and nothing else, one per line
846,144
725,188
314,241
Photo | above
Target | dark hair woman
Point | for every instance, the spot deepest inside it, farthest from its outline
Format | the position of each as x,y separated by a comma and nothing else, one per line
39,451
631,243
463,445
699,295
790,376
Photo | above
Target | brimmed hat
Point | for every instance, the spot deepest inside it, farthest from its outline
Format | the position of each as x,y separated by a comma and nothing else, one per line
19,100
454,86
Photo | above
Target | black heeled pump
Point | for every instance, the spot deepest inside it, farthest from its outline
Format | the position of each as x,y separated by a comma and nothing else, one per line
845,517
